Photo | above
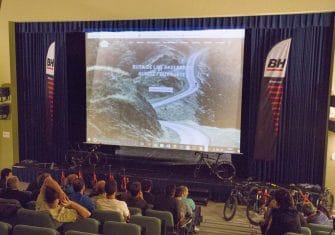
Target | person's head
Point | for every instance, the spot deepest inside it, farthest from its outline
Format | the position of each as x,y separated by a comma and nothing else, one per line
70,178
51,197
146,185
184,190
40,179
308,209
170,190
13,182
111,188
5,173
100,187
135,188
78,185
179,192
283,198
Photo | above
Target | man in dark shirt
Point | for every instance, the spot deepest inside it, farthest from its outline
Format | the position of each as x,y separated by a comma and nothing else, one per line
136,197
168,202
146,189
13,191
315,216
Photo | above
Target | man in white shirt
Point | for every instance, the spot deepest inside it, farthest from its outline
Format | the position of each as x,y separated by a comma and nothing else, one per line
111,203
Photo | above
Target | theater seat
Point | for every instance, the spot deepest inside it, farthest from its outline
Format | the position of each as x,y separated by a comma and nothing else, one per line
105,215
319,227
151,225
33,230
5,229
118,228
72,232
87,225
36,218
166,217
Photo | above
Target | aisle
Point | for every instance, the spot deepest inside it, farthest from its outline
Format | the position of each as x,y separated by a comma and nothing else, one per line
214,224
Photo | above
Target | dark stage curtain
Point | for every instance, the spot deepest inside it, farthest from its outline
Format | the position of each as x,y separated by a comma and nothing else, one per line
301,149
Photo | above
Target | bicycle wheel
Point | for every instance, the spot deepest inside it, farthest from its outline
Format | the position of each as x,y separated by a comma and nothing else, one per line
225,171
255,211
230,208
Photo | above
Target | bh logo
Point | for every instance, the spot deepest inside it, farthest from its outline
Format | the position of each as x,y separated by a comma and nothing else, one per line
50,62
276,63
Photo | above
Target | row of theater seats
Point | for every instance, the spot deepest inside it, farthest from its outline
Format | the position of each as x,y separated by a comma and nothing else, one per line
315,229
110,228
154,222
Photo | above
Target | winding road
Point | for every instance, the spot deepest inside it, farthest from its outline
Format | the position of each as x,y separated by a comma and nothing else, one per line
187,134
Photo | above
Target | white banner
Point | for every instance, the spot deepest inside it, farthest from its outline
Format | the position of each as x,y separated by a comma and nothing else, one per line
276,61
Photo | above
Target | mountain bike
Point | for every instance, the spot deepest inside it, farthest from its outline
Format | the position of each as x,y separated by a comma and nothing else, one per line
219,165
260,196
239,195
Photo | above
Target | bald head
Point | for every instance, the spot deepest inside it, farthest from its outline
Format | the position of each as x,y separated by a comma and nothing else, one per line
13,182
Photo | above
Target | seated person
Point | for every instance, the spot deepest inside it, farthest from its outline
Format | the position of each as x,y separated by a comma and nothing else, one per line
185,193
111,203
13,192
136,197
185,208
79,197
283,217
68,187
146,190
36,186
53,200
315,216
168,202
5,174
98,191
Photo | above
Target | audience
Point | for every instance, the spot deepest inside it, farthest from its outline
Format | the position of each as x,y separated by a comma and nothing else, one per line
185,208
68,183
146,190
13,192
111,203
55,201
185,193
36,185
78,195
5,174
136,197
168,202
283,217
315,216
98,191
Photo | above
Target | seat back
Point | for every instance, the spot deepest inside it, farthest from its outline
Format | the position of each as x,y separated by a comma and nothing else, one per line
151,225
106,215
36,218
117,228
165,216
324,233
134,211
319,227
8,210
5,229
72,232
306,231
87,225
22,229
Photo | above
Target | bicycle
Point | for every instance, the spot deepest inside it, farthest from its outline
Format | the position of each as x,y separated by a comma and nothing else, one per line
219,165
304,194
259,199
77,157
239,195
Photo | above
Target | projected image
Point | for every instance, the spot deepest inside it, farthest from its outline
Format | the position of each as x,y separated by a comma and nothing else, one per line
165,89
